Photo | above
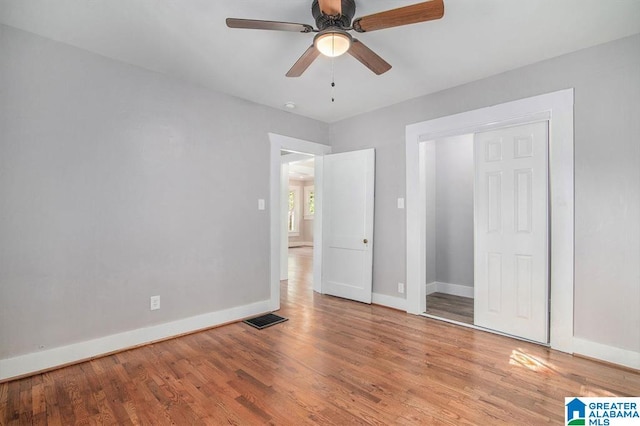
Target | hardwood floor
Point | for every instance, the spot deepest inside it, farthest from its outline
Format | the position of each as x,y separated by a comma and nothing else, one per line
333,362
450,307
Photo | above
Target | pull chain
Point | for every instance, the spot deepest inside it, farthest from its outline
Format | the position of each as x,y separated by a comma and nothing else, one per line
333,82
333,74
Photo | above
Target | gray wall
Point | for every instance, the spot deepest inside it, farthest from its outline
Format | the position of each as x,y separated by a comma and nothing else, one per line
114,186
607,176
454,210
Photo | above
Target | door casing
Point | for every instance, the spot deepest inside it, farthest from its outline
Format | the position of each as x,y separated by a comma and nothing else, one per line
557,108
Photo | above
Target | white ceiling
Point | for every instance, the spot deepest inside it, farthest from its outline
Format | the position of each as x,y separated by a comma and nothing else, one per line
303,170
188,39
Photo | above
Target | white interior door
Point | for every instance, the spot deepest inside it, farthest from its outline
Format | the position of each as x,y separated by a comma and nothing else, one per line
348,224
511,232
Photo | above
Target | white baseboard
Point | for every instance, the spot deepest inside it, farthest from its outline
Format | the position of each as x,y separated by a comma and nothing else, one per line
606,353
300,244
448,288
64,355
455,289
389,301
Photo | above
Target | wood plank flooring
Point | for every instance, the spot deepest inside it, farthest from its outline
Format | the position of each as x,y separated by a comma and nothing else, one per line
334,362
451,307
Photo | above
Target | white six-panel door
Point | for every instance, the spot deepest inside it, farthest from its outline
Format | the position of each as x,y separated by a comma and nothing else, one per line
348,224
511,231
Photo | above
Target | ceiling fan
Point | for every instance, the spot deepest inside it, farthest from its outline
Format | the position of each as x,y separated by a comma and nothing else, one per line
334,20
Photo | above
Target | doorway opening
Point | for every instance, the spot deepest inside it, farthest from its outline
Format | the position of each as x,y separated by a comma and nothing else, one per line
279,184
449,177
487,229
299,195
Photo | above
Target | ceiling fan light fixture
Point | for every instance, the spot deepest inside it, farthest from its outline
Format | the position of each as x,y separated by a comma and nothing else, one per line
333,42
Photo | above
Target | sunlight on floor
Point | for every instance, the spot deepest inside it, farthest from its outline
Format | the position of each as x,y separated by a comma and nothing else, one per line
520,358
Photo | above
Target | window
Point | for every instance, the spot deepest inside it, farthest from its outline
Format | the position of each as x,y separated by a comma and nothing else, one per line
309,202
293,220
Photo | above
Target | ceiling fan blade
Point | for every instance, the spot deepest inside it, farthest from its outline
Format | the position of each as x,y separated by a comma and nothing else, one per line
303,63
368,57
331,7
421,12
256,24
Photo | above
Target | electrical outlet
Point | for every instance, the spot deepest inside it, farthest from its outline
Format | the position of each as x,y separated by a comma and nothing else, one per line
400,287
154,303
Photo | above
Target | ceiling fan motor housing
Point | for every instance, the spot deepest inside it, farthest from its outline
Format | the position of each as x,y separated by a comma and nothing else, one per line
343,21
333,39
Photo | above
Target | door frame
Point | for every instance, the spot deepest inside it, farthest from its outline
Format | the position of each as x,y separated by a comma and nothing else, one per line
557,109
277,144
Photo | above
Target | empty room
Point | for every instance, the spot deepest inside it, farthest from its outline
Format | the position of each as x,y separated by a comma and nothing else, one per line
319,212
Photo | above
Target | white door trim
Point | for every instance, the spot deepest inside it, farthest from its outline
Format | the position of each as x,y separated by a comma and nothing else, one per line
278,143
557,107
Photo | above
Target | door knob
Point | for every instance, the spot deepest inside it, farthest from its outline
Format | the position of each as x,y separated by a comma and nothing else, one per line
365,241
